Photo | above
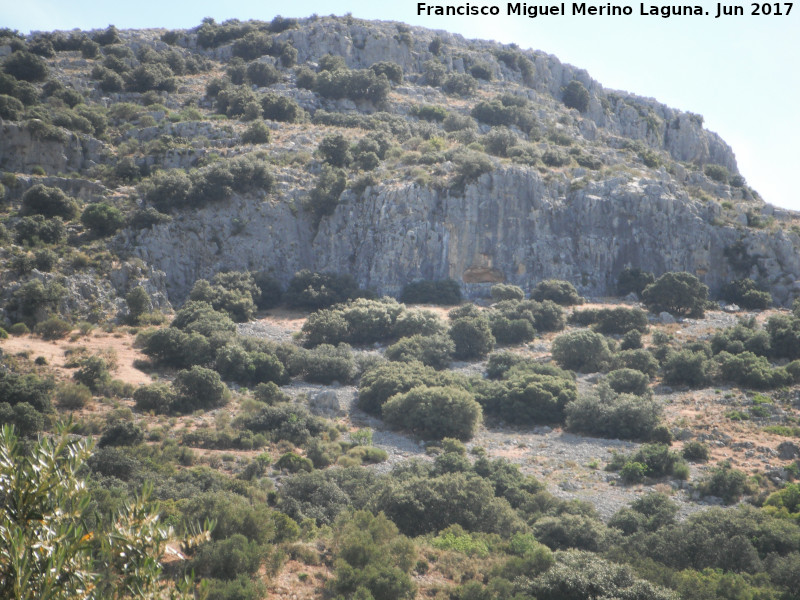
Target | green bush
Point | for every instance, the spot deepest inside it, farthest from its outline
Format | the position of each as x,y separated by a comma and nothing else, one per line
294,463
609,414
459,84
628,381
25,66
470,165
49,202
256,133
434,351
749,370
102,219
695,451
717,173
199,388
319,290
508,331
10,108
784,336
229,558
121,433
747,294
93,373
621,320
384,381
327,363
324,197
157,397
434,412
529,393
725,482
558,291
444,292
472,337
576,96
281,108
745,336
678,293
73,396
570,531
502,291
686,368
288,422
633,280
335,150
582,350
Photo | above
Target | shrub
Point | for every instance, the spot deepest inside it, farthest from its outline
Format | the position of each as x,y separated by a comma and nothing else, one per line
558,291
199,388
335,150
695,451
391,70
121,433
633,280
434,412
327,363
529,392
73,396
481,70
582,350
281,108
576,96
286,422
319,290
102,219
621,320
48,201
157,397
262,74
470,166
257,133
324,197
678,293
472,337
459,84
686,368
508,331
570,531
747,294
384,381
502,291
200,317
608,414
444,292
10,108
750,370
293,463
25,66
717,173
53,328
784,336
434,351
628,381
725,482
93,373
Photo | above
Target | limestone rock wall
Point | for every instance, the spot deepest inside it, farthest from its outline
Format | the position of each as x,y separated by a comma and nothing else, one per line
511,226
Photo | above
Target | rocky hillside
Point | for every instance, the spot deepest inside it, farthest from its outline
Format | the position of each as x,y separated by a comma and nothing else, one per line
456,159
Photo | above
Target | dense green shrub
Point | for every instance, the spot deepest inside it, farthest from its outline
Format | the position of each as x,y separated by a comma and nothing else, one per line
257,133
511,331
35,297
558,291
745,336
382,382
443,291
470,165
355,84
528,392
198,388
173,347
335,150
434,351
459,84
93,372
200,317
319,290
695,451
784,336
286,422
678,293
609,414
717,173
749,370
576,96
73,396
281,108
228,558
472,337
725,482
121,433
582,575
582,350
49,202
570,531
23,417
157,398
747,294
327,363
686,368
10,108
102,219
53,328
25,66
503,291
324,196
151,76
628,381
621,320
246,367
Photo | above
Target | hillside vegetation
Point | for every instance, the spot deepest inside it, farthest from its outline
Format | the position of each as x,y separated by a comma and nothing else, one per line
328,308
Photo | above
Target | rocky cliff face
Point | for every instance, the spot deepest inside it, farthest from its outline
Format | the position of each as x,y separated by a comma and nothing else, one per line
512,226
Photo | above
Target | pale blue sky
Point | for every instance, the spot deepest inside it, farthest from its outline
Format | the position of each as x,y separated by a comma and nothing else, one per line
741,73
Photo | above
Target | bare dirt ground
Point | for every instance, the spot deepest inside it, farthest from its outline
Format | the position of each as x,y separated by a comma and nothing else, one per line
119,344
